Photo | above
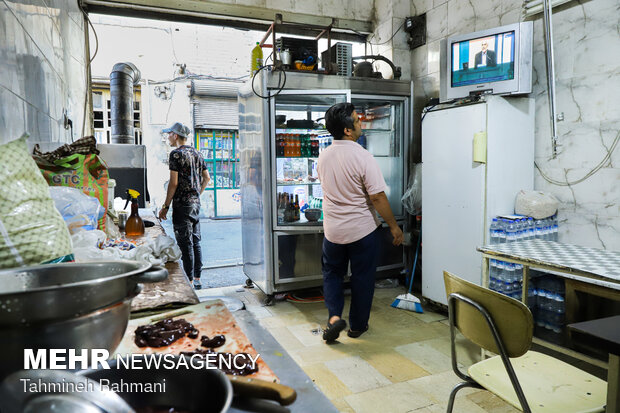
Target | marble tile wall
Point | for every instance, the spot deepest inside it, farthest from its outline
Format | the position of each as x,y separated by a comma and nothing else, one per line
42,70
587,74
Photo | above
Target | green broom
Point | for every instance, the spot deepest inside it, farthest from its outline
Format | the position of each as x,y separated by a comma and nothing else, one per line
409,301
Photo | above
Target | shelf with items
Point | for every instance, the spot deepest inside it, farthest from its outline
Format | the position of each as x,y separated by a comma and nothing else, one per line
295,183
301,145
291,207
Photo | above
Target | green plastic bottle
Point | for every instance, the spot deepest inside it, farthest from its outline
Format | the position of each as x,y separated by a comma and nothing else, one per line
257,58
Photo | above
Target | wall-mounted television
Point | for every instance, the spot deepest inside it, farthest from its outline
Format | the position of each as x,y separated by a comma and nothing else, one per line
495,61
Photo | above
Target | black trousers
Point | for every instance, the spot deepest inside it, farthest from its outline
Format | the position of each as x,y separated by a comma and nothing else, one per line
363,255
187,232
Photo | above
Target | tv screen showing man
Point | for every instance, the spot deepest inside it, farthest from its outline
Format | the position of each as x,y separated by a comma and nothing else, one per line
486,59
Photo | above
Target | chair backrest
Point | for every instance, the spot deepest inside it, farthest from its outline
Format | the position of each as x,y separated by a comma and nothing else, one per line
512,318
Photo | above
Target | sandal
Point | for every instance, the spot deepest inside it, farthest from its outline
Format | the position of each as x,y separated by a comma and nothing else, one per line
332,331
356,334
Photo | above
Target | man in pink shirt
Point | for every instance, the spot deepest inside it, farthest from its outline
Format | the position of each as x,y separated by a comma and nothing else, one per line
353,191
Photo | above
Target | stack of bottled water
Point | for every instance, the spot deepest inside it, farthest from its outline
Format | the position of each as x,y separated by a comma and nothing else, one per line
547,228
506,277
511,228
550,305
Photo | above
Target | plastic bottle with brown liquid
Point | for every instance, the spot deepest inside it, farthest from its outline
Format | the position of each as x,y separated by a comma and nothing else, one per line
134,227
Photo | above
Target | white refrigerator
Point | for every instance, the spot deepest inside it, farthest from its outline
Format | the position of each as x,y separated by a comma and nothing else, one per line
475,159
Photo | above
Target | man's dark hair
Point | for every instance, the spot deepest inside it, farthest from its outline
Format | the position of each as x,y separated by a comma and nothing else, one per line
339,117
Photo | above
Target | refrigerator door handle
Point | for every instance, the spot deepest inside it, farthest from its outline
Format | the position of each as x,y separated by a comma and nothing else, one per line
480,147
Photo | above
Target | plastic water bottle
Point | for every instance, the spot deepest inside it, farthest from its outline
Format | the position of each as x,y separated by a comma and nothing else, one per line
511,231
539,229
257,58
518,229
531,228
501,231
492,271
555,227
548,229
500,270
493,235
509,271
519,272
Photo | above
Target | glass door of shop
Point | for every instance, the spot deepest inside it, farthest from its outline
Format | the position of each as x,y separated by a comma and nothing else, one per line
220,151
383,130
298,135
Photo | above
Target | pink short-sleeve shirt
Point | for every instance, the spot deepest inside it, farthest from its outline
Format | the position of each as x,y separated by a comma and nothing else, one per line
349,174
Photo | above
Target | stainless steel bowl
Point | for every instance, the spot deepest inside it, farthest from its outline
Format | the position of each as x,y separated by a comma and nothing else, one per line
103,328
312,214
42,293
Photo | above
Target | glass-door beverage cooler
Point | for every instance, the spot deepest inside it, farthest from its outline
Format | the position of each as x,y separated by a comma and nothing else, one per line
282,132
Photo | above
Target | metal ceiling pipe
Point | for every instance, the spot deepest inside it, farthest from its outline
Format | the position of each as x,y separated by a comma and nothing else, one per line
123,78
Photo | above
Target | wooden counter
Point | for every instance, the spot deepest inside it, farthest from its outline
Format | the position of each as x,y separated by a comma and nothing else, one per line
174,292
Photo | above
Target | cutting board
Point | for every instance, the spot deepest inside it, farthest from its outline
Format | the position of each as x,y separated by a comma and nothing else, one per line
210,318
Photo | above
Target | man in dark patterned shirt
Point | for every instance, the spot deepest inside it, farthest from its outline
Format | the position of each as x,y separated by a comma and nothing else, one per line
188,179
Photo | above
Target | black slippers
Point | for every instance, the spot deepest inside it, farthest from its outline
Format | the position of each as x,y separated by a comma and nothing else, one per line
332,331
356,334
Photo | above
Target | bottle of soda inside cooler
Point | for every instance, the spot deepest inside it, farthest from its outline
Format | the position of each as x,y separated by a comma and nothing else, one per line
257,58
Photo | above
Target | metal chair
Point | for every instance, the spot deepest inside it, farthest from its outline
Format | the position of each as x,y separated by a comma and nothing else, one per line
504,326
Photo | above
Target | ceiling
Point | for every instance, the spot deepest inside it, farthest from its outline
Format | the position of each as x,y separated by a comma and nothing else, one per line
233,15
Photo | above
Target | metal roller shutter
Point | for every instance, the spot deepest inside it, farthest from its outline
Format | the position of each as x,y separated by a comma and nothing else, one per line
215,104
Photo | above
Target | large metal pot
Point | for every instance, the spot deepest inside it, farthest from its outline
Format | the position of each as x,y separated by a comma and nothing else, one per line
100,329
43,293
15,399
204,390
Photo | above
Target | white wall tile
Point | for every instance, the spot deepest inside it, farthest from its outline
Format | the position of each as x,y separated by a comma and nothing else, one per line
383,10
461,17
419,7
437,23
43,67
487,13
433,56
419,61
401,8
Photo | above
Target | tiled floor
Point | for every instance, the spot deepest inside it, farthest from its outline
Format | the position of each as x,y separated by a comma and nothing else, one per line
402,364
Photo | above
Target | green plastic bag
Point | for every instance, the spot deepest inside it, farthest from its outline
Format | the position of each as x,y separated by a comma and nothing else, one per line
88,173
31,228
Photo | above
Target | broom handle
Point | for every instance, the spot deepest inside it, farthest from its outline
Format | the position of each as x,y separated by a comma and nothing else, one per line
415,260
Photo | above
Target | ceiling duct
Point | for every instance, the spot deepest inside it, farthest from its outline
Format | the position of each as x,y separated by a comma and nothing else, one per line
123,78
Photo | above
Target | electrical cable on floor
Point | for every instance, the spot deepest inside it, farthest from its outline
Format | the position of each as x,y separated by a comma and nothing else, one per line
589,174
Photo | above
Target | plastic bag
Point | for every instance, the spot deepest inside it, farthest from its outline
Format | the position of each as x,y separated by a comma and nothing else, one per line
80,211
535,204
31,229
412,198
87,172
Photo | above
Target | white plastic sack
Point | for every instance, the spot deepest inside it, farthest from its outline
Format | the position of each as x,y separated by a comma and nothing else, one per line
79,210
412,198
535,204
